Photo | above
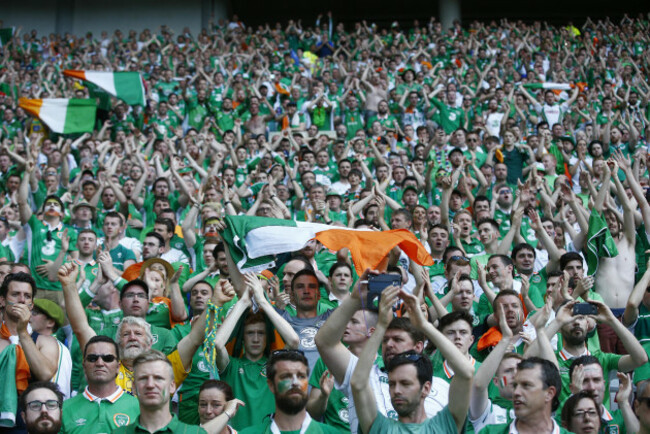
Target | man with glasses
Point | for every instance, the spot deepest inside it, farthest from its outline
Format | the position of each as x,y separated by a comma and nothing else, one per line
287,378
41,403
410,377
103,406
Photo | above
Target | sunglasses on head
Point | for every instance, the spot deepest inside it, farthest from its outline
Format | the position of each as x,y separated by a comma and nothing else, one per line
286,351
409,355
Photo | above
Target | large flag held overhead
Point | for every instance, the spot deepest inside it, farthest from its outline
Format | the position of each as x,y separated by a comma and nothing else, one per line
126,86
549,85
253,241
63,116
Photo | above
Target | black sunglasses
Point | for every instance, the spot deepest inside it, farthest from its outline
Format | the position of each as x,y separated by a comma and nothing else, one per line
108,358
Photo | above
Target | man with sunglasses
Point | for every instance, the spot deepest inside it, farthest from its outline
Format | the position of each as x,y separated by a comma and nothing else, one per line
103,405
41,403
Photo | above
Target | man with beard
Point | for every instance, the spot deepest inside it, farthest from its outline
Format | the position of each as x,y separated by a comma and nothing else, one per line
574,331
41,403
410,377
133,334
287,377
154,387
506,303
103,406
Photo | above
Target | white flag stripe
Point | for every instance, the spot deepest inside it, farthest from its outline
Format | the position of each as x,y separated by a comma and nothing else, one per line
53,112
103,80
269,240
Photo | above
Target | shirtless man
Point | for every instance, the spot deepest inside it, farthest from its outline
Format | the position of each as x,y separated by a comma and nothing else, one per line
614,279
257,122
376,92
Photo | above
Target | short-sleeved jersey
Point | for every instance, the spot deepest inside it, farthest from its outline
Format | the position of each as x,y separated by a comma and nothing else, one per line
85,413
248,381
44,243
336,413
173,427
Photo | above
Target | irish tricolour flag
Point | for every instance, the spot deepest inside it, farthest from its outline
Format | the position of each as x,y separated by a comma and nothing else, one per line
126,86
63,116
253,241
549,85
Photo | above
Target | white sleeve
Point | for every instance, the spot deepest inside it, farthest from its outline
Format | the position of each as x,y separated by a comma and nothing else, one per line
345,386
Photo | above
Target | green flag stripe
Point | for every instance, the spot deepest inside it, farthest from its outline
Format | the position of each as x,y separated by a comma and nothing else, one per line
128,87
80,116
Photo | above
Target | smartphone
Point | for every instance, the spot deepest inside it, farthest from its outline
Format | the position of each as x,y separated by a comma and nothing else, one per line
585,309
376,284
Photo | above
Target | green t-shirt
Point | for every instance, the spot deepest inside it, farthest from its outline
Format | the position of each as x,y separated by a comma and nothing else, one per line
45,245
442,422
608,361
174,427
336,413
505,429
248,382
189,390
313,428
120,255
81,414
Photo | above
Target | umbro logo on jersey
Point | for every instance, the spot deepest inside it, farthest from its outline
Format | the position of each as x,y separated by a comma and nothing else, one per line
80,422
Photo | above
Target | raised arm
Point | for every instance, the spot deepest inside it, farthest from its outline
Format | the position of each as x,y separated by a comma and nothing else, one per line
488,369
636,355
328,339
460,386
24,210
288,334
76,315
364,397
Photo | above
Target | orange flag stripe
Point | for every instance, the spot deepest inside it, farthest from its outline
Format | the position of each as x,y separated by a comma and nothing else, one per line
81,75
31,106
369,248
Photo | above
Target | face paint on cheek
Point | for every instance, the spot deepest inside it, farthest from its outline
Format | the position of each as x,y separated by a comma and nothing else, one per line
284,385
